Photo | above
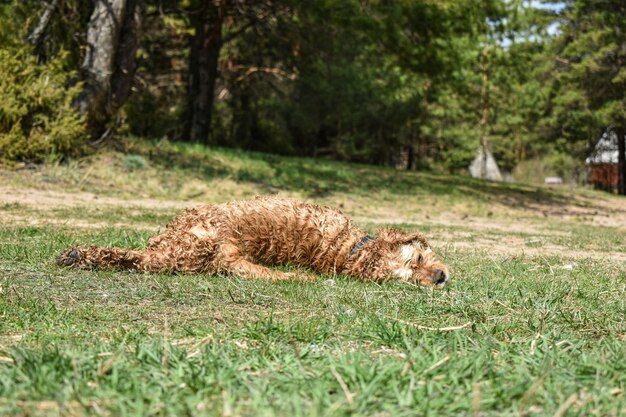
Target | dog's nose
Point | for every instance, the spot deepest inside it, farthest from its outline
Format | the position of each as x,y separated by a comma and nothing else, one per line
439,277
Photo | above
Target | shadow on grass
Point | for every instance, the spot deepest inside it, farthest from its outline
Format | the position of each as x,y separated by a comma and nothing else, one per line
319,178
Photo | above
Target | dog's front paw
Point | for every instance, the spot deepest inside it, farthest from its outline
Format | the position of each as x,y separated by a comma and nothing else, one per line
70,257
299,275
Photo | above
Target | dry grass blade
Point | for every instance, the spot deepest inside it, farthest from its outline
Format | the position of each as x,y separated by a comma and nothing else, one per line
441,329
197,347
565,406
438,364
349,395
528,395
476,400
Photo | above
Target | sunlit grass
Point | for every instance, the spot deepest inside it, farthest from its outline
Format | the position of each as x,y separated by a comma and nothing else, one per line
536,331
519,334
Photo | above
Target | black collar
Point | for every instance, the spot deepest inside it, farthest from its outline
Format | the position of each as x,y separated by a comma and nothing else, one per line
359,245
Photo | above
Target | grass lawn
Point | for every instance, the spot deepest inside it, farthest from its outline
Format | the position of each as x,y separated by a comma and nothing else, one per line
533,322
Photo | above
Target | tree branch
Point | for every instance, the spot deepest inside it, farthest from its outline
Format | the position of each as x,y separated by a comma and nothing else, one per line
37,35
238,32
279,73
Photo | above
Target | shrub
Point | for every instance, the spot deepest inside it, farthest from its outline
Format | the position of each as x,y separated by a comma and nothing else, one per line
553,164
37,120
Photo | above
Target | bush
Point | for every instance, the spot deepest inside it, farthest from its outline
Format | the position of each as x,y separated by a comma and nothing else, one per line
37,120
554,164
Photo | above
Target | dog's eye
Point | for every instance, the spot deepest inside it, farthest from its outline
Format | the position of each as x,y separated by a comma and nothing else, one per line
420,259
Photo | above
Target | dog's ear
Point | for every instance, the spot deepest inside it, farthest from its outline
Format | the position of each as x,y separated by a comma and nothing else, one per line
399,237
416,238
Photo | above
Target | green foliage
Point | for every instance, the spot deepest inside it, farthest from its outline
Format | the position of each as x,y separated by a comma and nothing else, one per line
149,115
155,106
134,162
350,82
583,67
535,170
7,26
36,114
361,81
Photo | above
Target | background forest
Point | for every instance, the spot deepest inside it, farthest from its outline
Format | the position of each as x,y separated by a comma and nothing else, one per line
413,84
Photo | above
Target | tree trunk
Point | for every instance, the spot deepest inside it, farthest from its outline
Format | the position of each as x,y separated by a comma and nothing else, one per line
410,160
621,159
125,62
484,119
38,35
109,65
204,51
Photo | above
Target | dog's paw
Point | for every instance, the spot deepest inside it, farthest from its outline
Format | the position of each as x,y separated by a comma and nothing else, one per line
302,276
69,257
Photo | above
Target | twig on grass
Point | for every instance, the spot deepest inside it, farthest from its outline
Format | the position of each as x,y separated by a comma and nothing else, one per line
503,305
438,364
75,369
567,404
106,366
476,400
197,347
165,359
549,266
495,263
349,395
227,410
533,344
441,329
528,395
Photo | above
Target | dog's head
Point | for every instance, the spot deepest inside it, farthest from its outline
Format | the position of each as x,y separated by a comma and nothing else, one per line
410,259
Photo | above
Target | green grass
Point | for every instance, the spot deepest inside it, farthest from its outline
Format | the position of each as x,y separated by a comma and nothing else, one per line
192,172
539,331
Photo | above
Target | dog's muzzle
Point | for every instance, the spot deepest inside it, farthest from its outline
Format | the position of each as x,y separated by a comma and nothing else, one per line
439,278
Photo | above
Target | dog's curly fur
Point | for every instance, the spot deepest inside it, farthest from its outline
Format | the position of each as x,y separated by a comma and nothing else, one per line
244,237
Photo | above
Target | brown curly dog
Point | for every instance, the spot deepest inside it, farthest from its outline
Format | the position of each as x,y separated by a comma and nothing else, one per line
244,237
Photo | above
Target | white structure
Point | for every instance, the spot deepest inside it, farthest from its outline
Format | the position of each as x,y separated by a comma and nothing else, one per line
485,167
553,180
606,150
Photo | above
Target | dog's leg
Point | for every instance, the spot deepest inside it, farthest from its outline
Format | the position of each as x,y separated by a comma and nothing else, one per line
246,269
188,256
249,270
231,262
101,257
88,257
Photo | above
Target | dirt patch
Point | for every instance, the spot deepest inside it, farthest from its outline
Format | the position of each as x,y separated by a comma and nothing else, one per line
46,199
29,220
595,211
456,221
520,247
